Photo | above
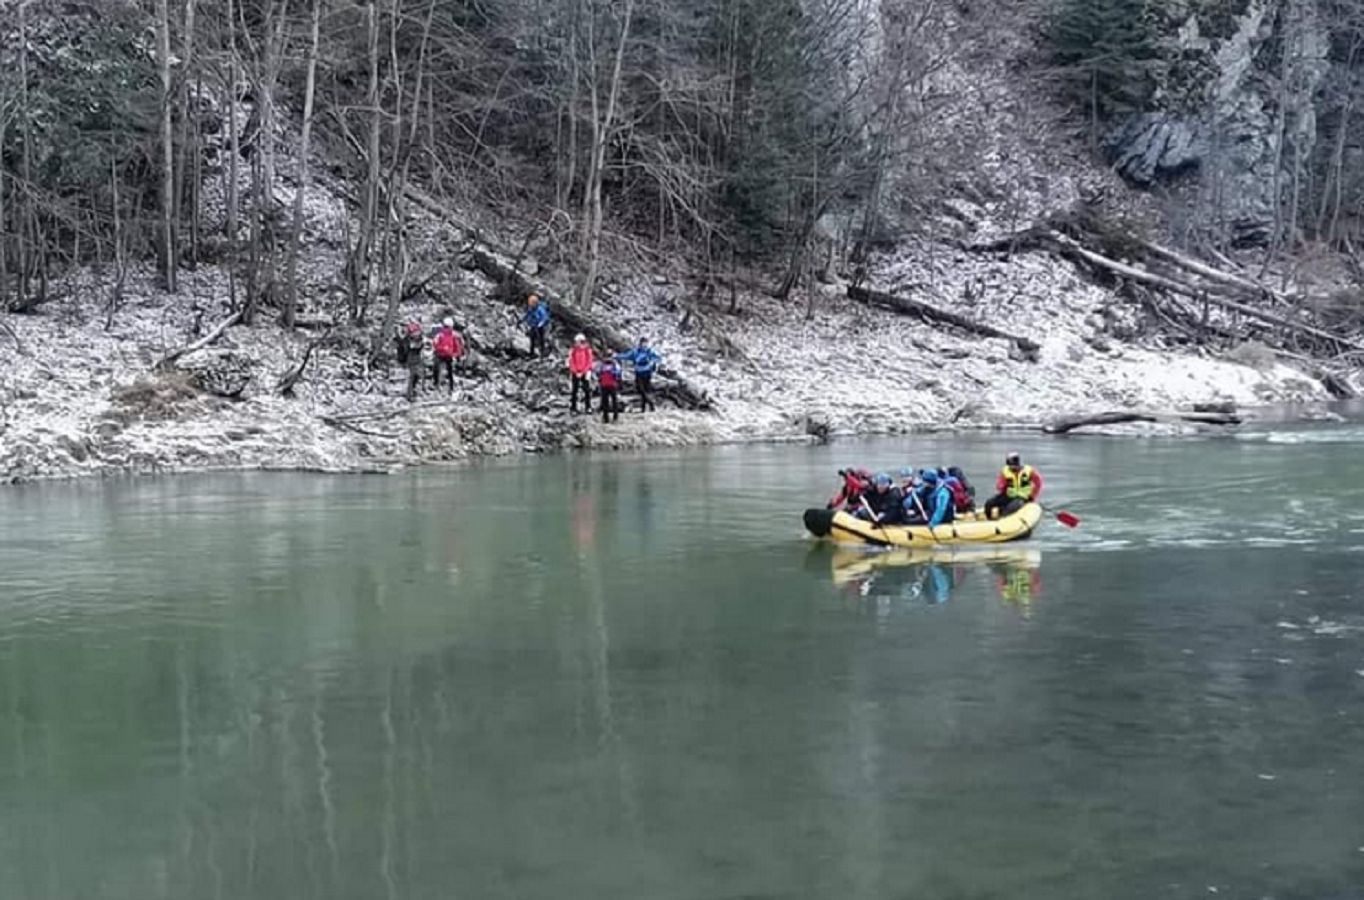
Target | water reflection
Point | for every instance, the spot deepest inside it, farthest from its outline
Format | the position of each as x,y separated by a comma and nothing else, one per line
881,579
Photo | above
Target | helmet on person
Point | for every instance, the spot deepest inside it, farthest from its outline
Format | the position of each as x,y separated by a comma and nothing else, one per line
580,339
1013,459
956,472
883,479
414,328
448,322
928,476
906,472
644,342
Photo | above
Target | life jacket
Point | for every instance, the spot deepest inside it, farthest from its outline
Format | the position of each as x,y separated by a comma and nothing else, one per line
609,377
447,344
1019,484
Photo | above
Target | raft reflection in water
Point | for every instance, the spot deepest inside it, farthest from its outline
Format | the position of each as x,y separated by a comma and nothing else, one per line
931,575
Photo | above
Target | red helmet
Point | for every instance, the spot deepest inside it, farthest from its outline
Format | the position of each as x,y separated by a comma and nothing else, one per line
414,328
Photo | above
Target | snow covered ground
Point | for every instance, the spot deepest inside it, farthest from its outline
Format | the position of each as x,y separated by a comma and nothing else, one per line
83,400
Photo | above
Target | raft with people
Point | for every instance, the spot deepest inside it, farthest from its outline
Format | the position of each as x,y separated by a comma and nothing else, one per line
968,528
933,507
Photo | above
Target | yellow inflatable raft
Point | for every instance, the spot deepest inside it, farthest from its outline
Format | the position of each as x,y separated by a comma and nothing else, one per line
843,528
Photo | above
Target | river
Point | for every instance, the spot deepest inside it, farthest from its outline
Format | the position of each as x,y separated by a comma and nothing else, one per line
634,677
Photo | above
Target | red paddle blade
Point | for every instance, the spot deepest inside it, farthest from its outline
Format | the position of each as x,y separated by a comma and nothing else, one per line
1068,519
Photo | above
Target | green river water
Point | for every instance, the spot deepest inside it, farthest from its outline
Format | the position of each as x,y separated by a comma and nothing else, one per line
634,677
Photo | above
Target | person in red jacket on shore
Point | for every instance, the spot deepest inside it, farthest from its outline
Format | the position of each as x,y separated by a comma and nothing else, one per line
581,361
1017,484
447,346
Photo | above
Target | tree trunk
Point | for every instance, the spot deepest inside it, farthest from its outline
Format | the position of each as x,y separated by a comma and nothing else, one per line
601,137
235,151
301,189
168,248
1066,425
360,269
4,225
181,183
24,226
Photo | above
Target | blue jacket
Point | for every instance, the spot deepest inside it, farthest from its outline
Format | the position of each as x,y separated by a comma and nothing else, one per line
537,316
644,359
943,504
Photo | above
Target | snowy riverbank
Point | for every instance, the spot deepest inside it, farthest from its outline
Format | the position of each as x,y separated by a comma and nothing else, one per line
80,400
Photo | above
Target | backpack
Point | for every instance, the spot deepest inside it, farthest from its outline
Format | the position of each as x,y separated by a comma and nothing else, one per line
608,378
446,345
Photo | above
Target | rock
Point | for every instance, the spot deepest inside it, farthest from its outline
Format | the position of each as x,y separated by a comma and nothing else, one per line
224,373
1226,407
1153,146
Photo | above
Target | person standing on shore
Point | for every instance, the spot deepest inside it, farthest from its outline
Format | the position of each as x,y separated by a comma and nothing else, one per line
581,362
537,324
608,379
645,361
447,346
410,344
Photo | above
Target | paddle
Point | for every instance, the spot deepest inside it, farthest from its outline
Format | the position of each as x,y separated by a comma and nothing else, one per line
1065,517
875,519
924,513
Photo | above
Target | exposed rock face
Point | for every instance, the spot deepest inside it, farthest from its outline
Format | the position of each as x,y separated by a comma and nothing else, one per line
1153,146
1254,126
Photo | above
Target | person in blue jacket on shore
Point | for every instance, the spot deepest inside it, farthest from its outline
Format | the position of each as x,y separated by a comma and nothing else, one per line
536,321
645,361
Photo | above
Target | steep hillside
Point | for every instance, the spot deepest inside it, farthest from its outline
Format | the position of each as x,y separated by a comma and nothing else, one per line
969,207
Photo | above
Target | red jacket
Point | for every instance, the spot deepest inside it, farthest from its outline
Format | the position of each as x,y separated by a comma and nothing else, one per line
581,360
853,487
448,344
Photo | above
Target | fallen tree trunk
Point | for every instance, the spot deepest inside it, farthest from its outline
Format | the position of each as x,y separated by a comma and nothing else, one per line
1067,246
1066,425
933,315
217,332
513,286
291,379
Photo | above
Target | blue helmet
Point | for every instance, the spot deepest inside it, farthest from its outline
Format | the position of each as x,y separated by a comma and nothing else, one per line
883,479
928,476
906,472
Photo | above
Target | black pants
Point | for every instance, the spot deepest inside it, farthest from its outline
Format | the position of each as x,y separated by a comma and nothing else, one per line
414,380
580,383
610,405
1002,505
537,340
645,385
447,366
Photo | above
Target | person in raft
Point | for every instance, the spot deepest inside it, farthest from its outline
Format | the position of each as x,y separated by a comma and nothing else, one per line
447,347
855,483
1017,484
536,321
581,362
883,504
608,379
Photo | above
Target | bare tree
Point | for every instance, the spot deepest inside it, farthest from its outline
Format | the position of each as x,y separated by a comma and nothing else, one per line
301,190
163,61
603,123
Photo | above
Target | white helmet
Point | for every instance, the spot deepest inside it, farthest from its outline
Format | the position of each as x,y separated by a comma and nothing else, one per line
579,338
449,322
